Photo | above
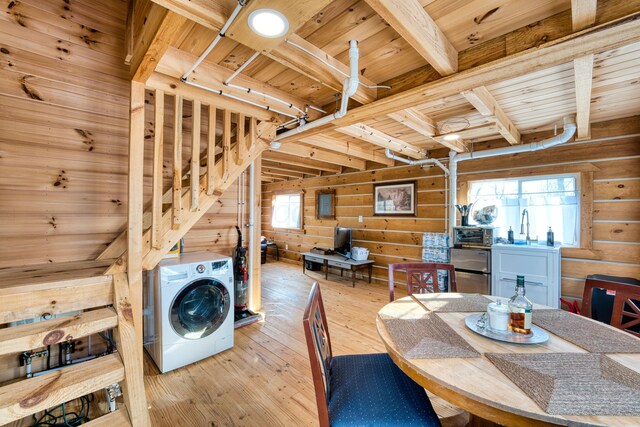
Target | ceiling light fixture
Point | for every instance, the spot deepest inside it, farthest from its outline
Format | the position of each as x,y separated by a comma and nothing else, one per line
451,137
268,23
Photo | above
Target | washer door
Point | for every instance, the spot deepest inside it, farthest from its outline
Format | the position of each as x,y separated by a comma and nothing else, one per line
199,309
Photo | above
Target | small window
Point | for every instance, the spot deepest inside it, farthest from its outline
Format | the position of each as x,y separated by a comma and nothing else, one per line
287,211
552,201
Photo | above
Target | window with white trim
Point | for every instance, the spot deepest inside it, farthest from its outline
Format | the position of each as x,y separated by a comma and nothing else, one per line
552,201
287,211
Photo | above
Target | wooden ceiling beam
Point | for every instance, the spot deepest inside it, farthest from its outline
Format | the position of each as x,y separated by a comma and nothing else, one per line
280,172
314,153
486,104
294,160
381,139
348,148
608,36
291,168
414,24
205,12
297,12
583,15
425,126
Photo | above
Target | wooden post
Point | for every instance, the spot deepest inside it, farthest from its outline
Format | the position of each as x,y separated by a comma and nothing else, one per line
135,208
241,148
130,349
226,142
211,151
177,163
195,155
156,215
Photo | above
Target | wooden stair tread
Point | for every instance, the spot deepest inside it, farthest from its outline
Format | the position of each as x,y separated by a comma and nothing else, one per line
51,275
31,395
35,335
117,418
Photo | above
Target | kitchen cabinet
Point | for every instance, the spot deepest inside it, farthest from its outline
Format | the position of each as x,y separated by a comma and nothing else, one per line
540,266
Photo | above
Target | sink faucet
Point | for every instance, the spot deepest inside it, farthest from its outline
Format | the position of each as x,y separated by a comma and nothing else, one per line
525,212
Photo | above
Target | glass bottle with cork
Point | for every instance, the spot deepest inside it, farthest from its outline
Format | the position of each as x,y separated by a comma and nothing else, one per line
521,309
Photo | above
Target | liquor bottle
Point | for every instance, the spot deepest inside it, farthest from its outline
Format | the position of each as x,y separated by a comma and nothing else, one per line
520,310
510,238
550,237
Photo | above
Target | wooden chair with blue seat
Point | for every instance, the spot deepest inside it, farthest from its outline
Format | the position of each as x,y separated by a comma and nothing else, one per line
360,389
422,277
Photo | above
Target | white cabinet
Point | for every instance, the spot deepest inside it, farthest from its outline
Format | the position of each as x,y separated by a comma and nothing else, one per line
540,266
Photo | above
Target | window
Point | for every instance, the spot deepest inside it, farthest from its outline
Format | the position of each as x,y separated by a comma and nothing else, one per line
287,211
552,201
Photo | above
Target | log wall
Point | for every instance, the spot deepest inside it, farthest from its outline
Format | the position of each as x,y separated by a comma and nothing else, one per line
614,188
64,97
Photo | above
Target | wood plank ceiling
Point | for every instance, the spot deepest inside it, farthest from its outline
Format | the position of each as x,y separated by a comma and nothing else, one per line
404,44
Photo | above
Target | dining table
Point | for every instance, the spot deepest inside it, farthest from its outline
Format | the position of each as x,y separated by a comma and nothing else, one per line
585,373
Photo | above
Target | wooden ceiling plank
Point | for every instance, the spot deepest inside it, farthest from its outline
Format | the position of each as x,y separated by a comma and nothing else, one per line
280,172
486,104
605,37
295,160
303,150
583,13
297,13
414,24
294,58
291,168
205,12
381,139
344,147
583,71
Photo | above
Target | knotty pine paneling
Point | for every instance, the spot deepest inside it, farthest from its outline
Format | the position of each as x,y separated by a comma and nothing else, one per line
616,203
64,126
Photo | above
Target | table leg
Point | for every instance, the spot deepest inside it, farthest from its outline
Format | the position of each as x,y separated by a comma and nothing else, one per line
370,271
326,269
341,271
353,277
304,264
277,253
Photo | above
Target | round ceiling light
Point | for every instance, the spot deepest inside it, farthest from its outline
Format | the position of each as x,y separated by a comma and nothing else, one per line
451,137
268,23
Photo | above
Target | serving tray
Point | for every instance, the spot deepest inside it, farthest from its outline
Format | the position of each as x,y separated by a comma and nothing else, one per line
537,335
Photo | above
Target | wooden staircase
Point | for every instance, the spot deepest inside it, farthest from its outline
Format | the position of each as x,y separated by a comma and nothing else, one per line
108,290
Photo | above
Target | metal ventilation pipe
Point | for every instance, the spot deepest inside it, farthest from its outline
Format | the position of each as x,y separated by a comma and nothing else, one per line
454,158
436,162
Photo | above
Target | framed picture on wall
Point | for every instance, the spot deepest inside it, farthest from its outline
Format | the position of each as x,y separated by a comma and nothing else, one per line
398,198
325,204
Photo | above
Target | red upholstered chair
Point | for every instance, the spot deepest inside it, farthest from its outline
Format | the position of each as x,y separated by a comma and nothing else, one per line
360,389
422,277
626,303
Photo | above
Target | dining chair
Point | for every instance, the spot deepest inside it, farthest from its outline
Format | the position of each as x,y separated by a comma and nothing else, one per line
359,389
625,307
422,276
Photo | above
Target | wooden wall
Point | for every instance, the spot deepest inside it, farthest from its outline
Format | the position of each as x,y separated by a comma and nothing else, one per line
615,187
64,97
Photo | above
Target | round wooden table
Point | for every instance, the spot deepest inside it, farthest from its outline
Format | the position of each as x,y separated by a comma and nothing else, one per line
475,384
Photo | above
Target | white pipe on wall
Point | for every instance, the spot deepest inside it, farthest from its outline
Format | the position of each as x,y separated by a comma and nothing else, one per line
436,162
253,237
454,158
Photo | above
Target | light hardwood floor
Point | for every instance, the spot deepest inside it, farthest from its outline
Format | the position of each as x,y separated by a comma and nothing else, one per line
265,378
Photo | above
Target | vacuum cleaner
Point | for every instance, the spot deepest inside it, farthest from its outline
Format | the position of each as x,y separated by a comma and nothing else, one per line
242,315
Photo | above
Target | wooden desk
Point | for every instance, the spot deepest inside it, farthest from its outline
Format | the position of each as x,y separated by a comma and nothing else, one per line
339,261
476,385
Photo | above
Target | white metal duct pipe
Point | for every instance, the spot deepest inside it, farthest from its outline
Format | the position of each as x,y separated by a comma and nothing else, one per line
454,158
350,86
436,162
253,236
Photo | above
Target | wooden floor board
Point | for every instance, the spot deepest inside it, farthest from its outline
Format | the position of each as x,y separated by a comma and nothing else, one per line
265,378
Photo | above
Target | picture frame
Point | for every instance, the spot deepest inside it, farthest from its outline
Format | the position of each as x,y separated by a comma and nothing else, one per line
325,204
395,199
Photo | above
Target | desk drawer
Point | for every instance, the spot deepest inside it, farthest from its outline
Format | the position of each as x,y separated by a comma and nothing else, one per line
340,264
314,259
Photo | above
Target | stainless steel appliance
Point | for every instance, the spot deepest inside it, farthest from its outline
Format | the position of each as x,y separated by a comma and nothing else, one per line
473,269
474,236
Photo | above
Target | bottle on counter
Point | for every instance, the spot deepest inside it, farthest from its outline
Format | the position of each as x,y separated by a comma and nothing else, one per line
510,238
550,237
520,309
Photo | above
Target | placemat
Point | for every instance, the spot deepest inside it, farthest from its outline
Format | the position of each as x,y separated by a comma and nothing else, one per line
427,337
455,303
573,383
592,336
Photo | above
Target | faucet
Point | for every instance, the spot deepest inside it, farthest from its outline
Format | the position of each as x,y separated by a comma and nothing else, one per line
525,212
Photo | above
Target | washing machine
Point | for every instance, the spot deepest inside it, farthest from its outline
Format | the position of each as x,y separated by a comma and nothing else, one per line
188,309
